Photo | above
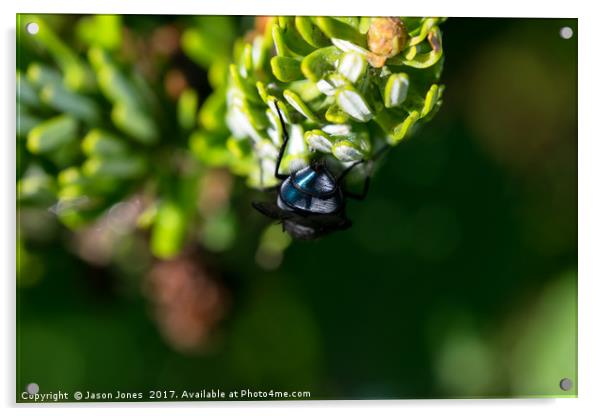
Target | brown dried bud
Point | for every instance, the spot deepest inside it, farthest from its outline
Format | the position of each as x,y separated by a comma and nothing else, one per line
188,301
387,36
175,83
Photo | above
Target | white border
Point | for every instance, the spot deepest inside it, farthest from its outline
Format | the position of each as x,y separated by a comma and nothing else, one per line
590,206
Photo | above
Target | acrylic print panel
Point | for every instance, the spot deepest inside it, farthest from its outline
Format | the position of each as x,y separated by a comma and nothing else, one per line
300,208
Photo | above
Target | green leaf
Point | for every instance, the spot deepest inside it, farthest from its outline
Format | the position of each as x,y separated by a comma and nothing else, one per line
282,48
169,230
401,130
310,32
364,24
352,21
135,123
335,114
292,38
211,113
334,28
103,30
248,90
117,87
101,143
187,109
52,134
413,56
210,40
286,69
77,105
317,64
120,167
296,102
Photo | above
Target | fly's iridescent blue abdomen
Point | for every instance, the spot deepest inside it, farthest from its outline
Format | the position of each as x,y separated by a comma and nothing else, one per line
312,190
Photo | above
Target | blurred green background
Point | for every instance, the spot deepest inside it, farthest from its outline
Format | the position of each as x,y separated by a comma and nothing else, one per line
457,279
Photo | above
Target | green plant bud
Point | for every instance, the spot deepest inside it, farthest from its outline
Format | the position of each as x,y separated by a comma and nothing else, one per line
318,140
169,230
75,104
352,103
52,134
187,109
335,114
349,150
396,90
352,66
122,167
100,143
135,123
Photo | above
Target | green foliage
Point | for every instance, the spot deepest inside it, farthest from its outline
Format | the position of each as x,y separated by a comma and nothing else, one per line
338,96
96,130
92,129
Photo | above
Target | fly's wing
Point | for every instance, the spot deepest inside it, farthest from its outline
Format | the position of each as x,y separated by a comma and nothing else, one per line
330,222
315,226
271,210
